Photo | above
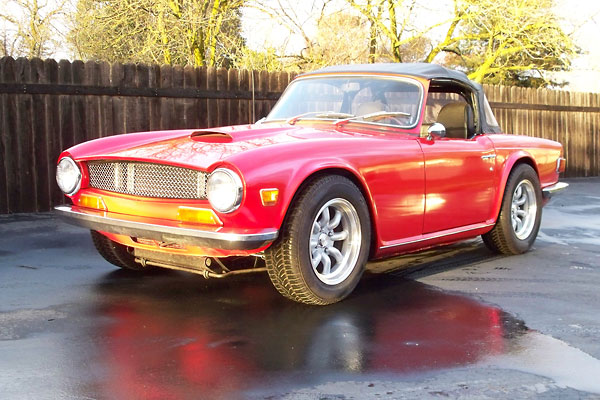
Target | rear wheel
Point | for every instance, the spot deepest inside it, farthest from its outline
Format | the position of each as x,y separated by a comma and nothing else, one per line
115,253
324,243
520,215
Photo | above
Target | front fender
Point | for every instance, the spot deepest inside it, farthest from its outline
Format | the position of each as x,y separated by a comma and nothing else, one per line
289,178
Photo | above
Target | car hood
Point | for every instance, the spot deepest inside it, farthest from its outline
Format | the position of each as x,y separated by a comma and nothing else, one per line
198,148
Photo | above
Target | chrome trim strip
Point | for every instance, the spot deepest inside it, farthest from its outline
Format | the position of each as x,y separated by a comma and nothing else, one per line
109,222
552,190
436,237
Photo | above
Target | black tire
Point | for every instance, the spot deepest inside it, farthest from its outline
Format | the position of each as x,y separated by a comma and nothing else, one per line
288,260
116,253
503,238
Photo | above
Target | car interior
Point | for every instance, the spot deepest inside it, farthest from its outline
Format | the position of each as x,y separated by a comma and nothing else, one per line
451,105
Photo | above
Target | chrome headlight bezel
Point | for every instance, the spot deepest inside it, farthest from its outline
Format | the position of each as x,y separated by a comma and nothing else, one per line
67,165
233,193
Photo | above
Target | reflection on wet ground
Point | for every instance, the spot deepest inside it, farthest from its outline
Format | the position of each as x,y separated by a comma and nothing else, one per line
171,335
166,338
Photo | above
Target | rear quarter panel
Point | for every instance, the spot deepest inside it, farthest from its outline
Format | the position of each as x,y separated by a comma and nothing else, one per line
542,154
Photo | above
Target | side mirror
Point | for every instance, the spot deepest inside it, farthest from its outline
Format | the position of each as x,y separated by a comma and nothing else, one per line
436,129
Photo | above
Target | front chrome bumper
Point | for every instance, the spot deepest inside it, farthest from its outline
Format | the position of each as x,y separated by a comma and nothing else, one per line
154,229
550,191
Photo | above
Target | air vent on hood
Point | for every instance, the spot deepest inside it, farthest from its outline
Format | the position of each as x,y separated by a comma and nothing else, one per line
211,137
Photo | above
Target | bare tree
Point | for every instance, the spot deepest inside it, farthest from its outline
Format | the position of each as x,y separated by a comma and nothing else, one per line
195,32
512,42
31,27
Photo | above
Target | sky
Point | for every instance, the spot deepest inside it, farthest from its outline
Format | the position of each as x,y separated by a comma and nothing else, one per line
582,17
579,17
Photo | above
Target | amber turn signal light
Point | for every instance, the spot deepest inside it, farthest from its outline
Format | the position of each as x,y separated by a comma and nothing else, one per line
198,216
269,197
89,201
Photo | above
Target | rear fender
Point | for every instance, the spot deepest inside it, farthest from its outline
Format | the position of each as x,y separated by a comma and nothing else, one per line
508,165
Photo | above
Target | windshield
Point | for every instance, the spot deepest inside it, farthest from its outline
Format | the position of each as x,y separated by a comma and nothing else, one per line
383,100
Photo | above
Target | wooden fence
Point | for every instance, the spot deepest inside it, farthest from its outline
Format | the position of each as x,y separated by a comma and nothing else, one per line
570,118
47,106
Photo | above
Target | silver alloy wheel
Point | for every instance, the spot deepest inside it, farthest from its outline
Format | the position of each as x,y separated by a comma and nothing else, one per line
523,209
335,241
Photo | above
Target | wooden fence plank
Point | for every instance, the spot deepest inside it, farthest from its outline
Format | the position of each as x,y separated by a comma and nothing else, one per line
79,126
142,110
166,105
118,106
91,103
43,167
244,105
222,109
212,107
233,108
154,104
202,81
130,103
6,139
106,107
190,106
177,118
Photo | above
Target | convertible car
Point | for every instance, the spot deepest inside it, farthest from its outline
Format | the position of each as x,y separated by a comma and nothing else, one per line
353,163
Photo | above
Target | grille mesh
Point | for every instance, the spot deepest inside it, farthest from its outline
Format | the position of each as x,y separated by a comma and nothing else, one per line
148,180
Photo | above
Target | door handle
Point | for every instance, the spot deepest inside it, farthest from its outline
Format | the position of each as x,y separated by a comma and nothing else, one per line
488,157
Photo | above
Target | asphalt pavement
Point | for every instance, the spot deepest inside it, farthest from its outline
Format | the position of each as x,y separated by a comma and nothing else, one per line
454,322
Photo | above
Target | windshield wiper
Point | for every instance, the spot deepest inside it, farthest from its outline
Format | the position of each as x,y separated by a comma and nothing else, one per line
318,114
370,116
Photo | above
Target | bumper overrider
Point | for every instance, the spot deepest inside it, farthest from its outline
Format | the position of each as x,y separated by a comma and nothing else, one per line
550,191
166,231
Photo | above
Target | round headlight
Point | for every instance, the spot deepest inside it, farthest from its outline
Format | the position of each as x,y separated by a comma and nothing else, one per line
68,176
224,190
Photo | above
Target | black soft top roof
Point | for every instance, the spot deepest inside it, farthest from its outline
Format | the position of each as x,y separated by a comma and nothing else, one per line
422,70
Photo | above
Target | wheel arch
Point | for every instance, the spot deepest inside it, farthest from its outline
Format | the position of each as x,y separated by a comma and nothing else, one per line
511,163
356,179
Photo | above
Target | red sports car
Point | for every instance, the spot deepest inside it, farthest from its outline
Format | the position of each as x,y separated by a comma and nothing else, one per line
353,163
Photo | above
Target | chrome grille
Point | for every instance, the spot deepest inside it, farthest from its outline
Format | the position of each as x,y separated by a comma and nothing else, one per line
148,180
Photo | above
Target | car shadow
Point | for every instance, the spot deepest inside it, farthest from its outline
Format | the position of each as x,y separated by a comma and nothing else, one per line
435,260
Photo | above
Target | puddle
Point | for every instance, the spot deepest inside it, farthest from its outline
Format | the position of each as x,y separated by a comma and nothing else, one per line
390,325
546,356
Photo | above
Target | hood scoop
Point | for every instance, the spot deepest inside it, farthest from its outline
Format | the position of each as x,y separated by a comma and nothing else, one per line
211,137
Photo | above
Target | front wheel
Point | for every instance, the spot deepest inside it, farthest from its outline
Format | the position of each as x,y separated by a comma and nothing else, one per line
520,215
324,243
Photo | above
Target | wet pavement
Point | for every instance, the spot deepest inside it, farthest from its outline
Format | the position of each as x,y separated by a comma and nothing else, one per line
455,322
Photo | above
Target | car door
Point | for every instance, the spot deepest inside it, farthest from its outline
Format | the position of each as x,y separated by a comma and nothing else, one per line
460,165
459,182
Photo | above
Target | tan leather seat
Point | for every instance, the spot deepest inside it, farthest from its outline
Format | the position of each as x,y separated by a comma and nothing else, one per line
457,118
